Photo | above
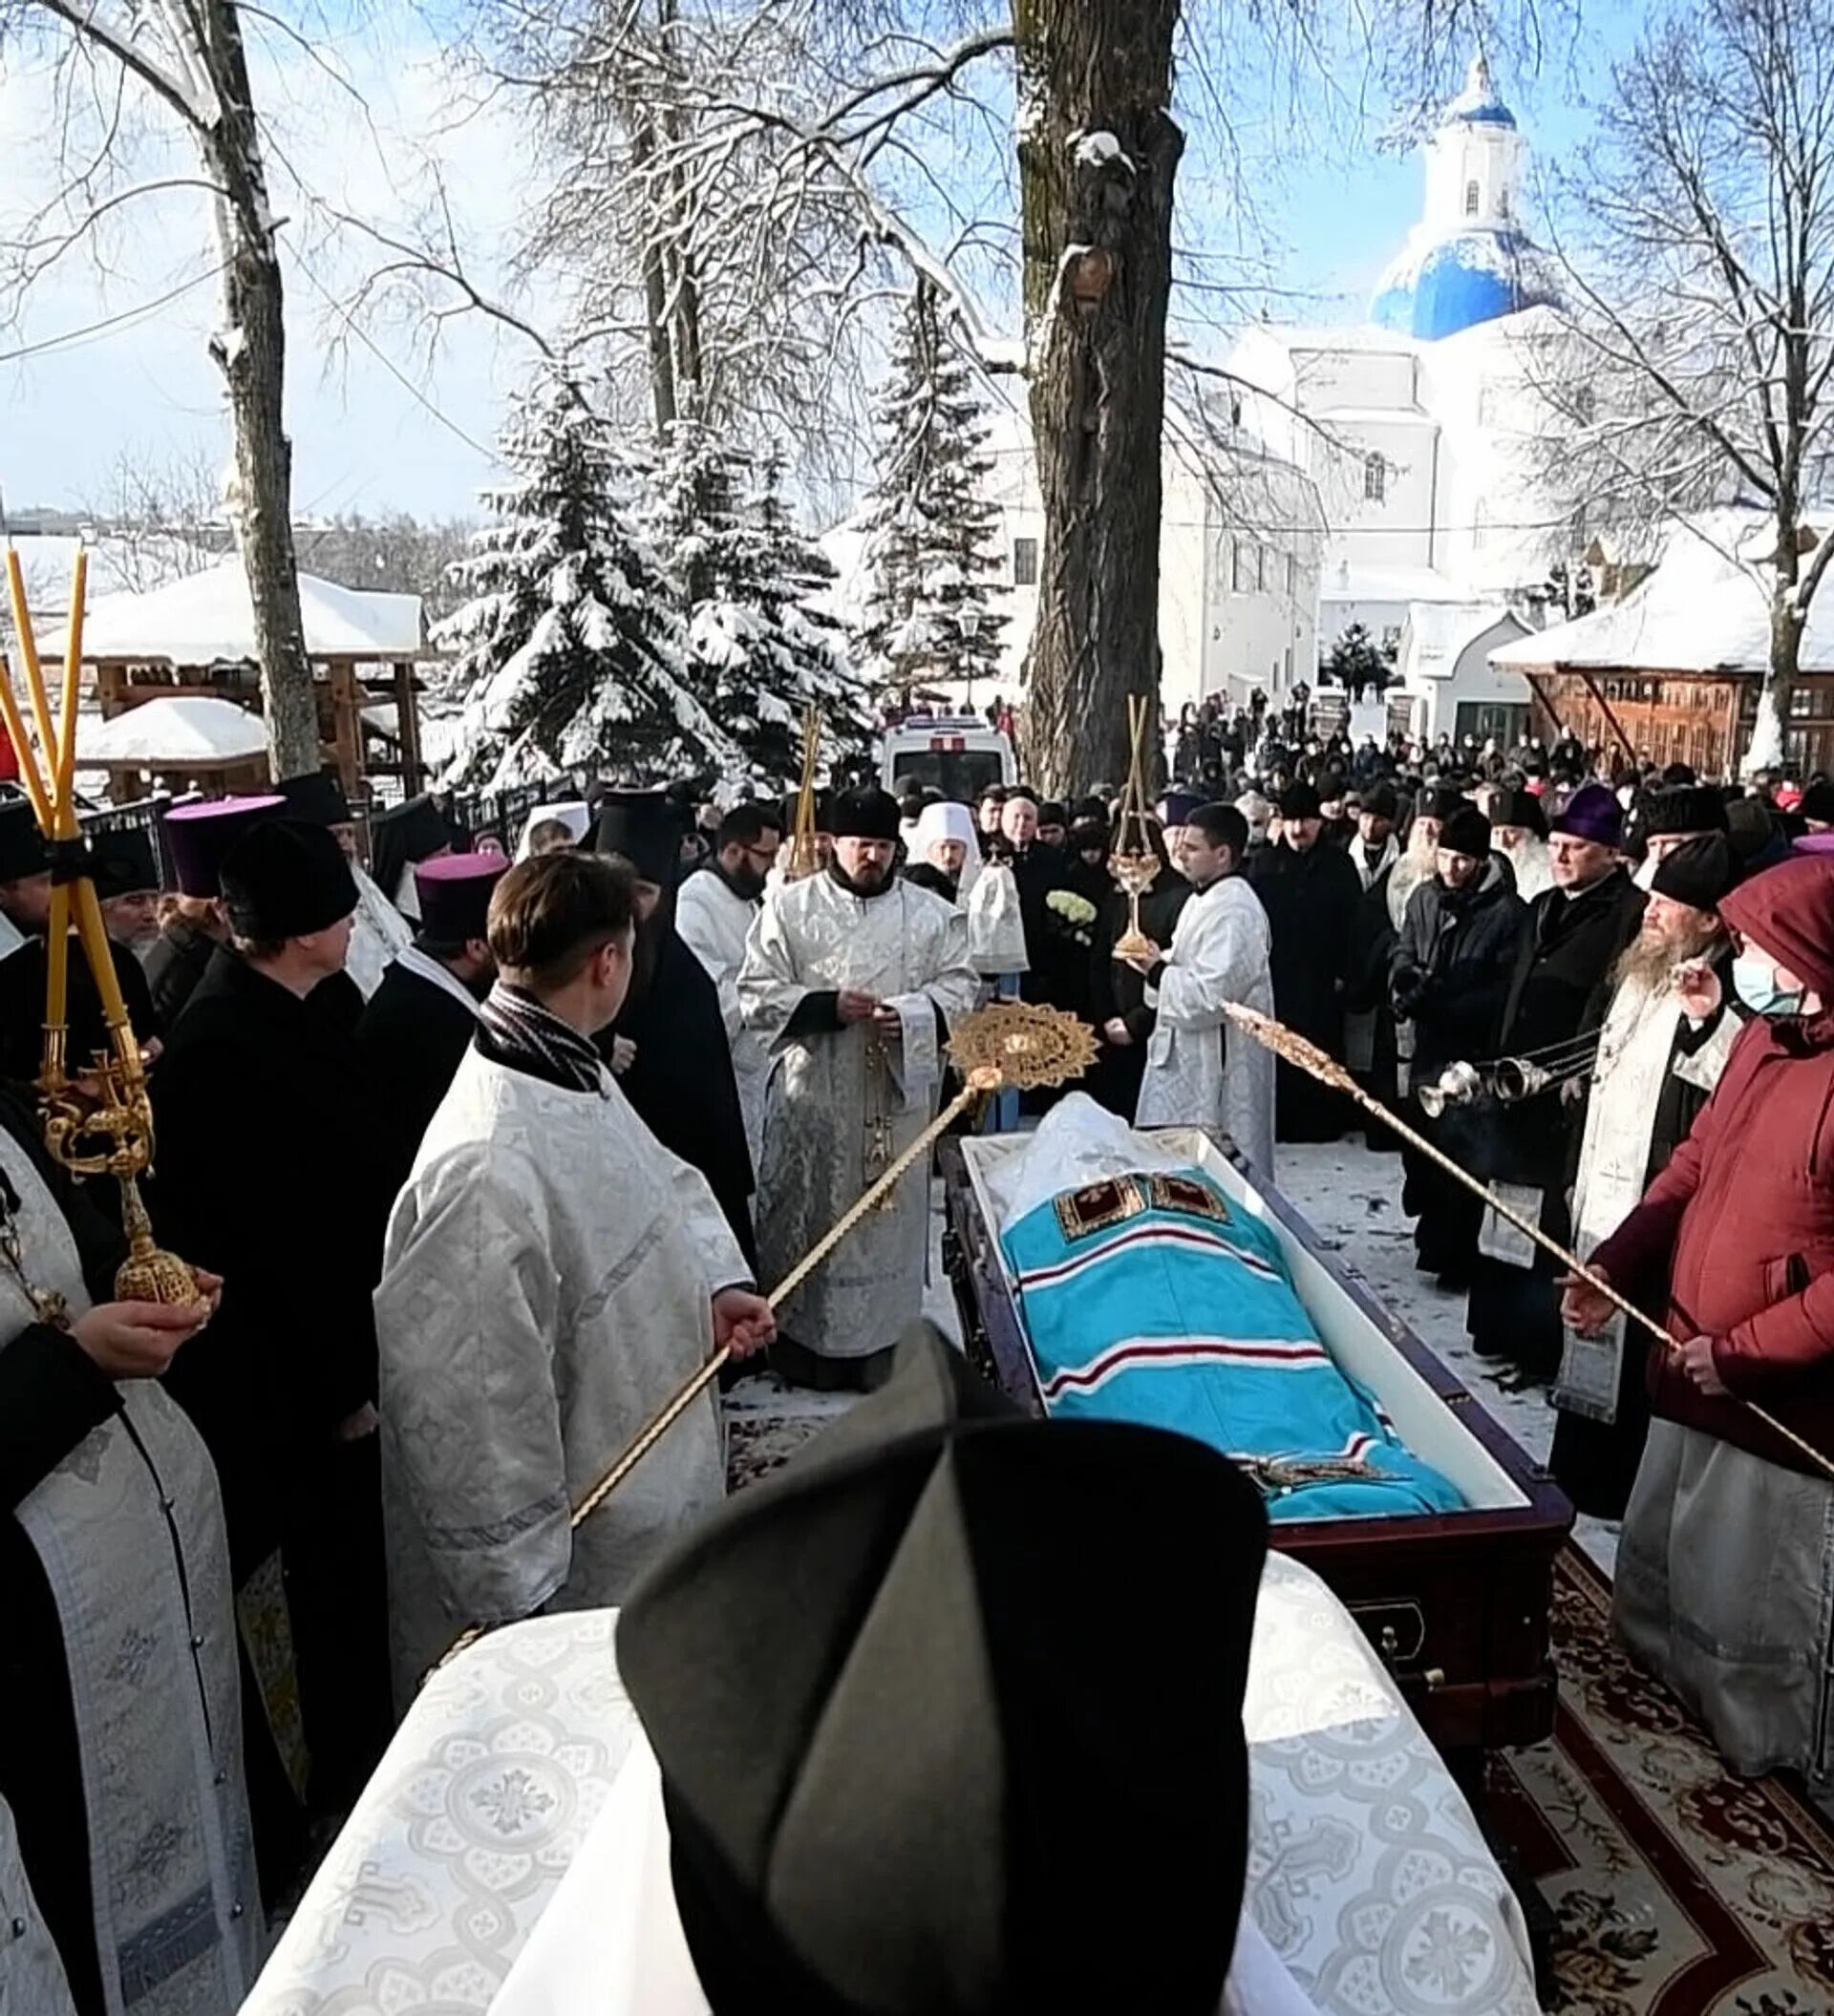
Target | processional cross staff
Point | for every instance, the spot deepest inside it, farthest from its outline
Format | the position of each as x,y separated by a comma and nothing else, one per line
1006,1046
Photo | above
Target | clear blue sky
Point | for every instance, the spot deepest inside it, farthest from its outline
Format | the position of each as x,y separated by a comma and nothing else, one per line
1333,205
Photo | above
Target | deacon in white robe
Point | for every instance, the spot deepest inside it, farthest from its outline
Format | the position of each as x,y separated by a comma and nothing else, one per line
851,978
715,910
1201,1072
552,1276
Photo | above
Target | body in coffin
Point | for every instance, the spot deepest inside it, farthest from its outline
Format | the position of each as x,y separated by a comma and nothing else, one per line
1456,1601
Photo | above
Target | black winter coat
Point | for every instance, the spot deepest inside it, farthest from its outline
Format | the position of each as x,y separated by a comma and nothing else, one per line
1558,989
681,1082
1450,968
1118,991
175,966
1310,900
267,1174
22,1008
413,1035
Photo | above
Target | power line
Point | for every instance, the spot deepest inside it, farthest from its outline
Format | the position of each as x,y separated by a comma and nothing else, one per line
71,339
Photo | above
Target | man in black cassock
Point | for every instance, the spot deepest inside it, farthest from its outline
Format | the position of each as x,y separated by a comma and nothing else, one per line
268,1175
421,1021
1310,893
669,1048
1558,992
25,902
1124,1022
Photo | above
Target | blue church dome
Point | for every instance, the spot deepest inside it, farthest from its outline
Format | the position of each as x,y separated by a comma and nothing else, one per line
1478,104
1459,282
1468,260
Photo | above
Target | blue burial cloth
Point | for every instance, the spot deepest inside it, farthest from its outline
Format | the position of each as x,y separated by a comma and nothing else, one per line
1152,1298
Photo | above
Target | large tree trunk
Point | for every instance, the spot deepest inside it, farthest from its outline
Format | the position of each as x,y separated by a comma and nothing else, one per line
251,352
1098,281
1769,746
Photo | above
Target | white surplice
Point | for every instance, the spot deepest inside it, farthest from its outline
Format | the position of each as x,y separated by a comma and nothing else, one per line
843,1102
1200,1072
547,1285
378,934
714,921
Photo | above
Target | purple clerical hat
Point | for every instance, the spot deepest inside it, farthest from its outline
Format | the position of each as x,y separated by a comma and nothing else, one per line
1592,814
198,837
455,894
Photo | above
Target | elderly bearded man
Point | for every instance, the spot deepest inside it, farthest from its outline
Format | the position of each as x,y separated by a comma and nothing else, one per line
851,978
1556,997
1665,1040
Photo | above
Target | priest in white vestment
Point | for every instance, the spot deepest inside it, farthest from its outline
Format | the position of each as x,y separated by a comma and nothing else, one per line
851,978
1199,1072
552,1276
715,910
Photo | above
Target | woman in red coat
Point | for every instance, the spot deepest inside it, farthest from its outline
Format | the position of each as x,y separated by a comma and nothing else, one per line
1725,1572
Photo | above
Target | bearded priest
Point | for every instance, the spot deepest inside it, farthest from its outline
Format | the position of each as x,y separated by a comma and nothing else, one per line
852,979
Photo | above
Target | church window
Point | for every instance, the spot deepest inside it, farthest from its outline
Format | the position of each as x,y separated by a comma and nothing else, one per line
1291,571
1240,576
1261,559
1472,199
1025,563
1376,480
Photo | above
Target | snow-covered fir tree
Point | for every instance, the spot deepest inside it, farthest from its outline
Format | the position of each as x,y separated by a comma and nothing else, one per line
932,532
747,575
570,652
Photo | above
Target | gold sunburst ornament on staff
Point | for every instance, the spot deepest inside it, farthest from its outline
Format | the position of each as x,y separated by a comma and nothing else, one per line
102,1126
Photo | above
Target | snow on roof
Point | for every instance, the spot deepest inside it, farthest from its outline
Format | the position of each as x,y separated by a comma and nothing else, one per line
1439,633
181,732
205,618
1352,583
1701,611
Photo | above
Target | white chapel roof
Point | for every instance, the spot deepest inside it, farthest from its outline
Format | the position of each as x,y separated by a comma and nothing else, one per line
179,730
1701,611
205,618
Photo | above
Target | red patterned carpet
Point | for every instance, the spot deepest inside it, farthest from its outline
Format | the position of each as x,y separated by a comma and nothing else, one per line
1678,1889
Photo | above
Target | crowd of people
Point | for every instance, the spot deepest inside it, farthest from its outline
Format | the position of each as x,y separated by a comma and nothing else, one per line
479,1158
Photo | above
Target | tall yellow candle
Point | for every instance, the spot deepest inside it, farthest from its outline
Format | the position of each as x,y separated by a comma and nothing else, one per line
72,681
29,774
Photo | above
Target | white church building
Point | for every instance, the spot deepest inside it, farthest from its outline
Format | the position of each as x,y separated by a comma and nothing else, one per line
1418,430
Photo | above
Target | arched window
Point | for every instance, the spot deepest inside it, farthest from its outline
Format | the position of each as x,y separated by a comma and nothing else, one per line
1374,480
1473,198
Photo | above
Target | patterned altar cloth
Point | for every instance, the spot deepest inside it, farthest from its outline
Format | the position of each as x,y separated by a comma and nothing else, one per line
1367,1872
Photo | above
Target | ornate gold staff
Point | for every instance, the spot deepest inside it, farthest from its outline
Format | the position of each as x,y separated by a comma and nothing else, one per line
800,860
1136,866
1012,1044
1307,1057
118,1128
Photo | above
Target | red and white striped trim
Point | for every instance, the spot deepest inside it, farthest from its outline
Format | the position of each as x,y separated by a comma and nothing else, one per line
1168,1353
1142,1236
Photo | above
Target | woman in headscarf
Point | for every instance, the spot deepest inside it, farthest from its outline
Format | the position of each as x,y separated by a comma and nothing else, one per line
945,851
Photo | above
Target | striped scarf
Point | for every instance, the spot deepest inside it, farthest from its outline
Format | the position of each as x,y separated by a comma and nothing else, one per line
518,1033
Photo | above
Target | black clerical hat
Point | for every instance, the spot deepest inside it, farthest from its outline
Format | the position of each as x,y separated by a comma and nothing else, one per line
285,880
948,1714
646,827
122,861
317,800
22,846
867,814
1699,873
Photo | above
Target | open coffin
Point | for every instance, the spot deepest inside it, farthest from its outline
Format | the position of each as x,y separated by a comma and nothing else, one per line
1456,1601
